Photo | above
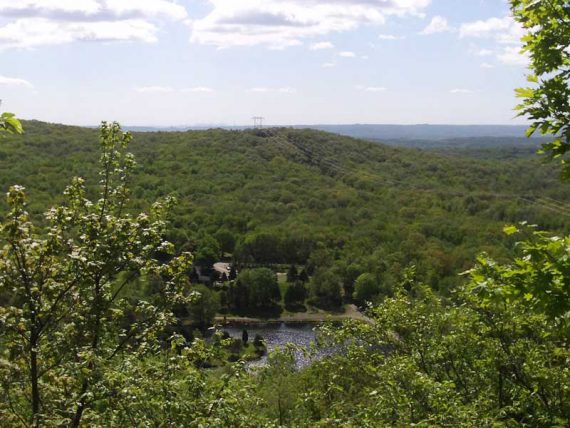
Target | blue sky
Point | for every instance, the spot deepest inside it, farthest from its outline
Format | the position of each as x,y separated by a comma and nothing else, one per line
189,62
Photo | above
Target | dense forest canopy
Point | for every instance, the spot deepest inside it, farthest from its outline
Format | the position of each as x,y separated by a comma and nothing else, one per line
388,225
278,195
90,293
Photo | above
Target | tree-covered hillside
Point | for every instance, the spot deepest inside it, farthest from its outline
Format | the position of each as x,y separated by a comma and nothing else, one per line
302,196
426,131
77,347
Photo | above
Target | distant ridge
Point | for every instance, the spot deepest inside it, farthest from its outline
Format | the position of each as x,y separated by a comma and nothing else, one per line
423,131
380,132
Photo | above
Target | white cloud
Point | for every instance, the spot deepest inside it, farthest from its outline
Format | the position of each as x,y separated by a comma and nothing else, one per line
462,91
31,32
154,89
283,23
505,32
347,54
321,45
487,65
13,81
328,65
146,8
486,28
203,89
91,10
438,24
511,55
51,22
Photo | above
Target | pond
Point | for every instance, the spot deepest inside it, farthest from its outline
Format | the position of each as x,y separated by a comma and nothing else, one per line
278,335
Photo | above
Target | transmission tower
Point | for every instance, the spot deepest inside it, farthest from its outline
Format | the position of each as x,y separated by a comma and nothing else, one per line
257,122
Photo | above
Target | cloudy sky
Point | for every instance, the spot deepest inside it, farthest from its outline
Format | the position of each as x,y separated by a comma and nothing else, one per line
188,62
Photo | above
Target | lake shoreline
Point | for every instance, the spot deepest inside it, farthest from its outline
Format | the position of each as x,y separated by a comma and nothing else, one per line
351,313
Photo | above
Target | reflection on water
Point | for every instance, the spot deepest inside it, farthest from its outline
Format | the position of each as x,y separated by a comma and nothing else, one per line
279,335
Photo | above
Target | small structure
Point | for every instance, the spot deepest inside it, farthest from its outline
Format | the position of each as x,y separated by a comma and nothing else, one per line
257,122
207,275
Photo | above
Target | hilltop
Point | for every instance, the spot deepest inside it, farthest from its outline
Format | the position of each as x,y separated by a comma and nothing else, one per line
308,197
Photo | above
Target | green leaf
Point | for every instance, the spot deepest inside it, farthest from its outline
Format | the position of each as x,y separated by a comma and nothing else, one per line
9,123
524,92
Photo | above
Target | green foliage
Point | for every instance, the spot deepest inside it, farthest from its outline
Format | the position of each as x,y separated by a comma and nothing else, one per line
276,388
86,294
65,322
170,389
208,251
9,123
258,341
261,288
366,288
292,274
427,361
203,307
325,289
537,278
295,295
375,207
546,103
226,240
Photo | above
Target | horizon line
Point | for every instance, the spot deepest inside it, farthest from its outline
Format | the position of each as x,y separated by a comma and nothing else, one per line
249,125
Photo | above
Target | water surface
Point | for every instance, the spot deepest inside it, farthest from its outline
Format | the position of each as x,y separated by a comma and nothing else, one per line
278,335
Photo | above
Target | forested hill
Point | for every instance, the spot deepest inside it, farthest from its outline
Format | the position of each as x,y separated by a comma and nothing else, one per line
292,195
425,131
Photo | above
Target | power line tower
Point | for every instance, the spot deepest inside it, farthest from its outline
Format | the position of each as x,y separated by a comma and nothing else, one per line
257,122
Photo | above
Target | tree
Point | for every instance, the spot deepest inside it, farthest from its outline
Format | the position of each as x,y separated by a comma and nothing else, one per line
303,276
226,240
262,287
194,277
9,123
292,274
204,307
350,273
325,289
547,103
233,273
366,288
276,386
538,276
68,321
424,360
258,341
208,251
259,247
244,337
296,294
238,295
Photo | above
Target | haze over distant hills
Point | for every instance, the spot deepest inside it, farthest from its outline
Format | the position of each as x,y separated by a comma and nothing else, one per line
423,131
383,131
